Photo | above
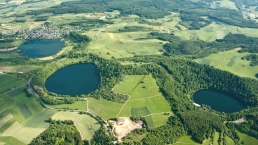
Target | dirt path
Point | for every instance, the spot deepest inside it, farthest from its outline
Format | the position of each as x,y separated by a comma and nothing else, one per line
129,98
8,49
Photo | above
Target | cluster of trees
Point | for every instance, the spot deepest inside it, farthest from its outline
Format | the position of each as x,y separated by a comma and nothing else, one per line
250,125
193,21
253,58
111,74
59,132
166,134
247,43
77,38
87,24
200,48
134,29
201,124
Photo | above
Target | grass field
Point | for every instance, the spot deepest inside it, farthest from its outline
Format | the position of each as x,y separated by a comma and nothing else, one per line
231,61
84,123
22,117
10,141
10,45
107,43
104,108
247,140
145,99
9,82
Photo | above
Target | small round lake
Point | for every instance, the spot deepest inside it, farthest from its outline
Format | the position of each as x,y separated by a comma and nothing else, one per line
74,80
41,48
218,101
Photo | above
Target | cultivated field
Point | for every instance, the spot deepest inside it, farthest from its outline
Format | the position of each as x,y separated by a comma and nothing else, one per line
104,108
145,99
231,61
22,117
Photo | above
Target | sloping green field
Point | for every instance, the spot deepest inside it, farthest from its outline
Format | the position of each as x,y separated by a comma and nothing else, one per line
145,99
231,61
22,117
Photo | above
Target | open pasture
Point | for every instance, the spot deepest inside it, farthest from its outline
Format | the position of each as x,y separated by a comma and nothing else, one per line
145,99
10,141
104,108
231,61
9,82
247,140
218,31
119,45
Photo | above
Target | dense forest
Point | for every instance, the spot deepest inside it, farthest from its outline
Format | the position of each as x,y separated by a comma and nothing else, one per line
200,48
253,58
59,132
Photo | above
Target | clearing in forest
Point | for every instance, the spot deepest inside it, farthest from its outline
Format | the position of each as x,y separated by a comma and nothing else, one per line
231,61
145,100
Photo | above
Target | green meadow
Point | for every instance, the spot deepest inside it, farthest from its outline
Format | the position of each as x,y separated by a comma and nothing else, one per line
107,43
231,61
21,116
145,100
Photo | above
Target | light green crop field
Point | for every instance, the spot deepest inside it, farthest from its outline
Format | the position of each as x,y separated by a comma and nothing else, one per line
84,123
9,82
10,45
185,140
247,140
214,31
145,99
22,117
10,141
231,61
104,108
111,44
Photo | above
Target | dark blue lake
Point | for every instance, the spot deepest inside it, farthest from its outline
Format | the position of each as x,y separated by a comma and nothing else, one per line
218,101
74,80
41,48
